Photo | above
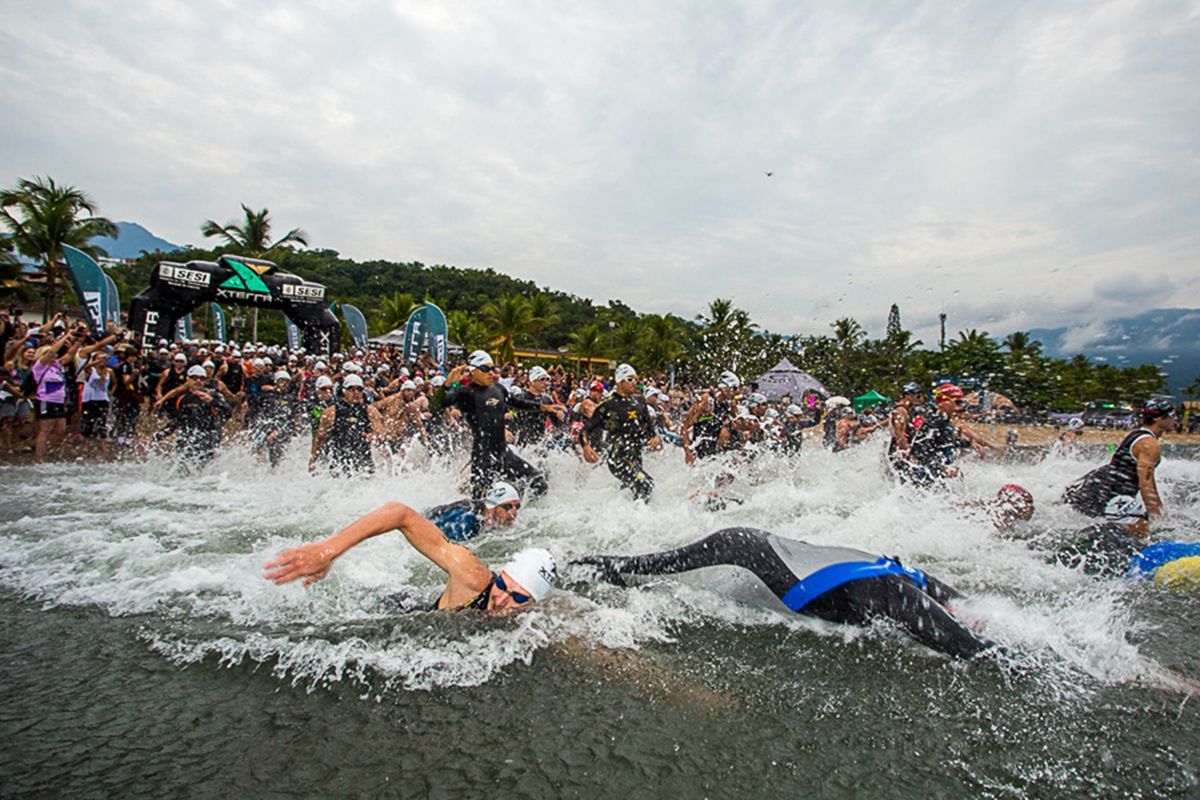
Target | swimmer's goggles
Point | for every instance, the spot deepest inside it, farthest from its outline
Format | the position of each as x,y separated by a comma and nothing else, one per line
517,597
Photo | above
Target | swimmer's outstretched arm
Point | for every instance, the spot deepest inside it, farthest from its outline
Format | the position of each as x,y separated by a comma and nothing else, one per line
312,561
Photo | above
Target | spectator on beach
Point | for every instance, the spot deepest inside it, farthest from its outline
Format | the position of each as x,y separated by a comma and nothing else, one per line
95,397
49,376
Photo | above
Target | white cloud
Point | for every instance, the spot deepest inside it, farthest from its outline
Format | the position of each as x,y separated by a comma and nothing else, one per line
1008,163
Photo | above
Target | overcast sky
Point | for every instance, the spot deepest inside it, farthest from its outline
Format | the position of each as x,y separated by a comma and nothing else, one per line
1014,164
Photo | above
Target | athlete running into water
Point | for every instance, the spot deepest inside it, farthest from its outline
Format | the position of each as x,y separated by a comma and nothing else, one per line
470,584
836,584
484,403
626,420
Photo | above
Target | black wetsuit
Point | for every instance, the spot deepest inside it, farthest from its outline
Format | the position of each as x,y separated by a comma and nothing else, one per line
627,426
1105,549
478,603
349,444
530,427
1119,477
837,584
829,431
930,450
484,407
199,429
706,430
278,416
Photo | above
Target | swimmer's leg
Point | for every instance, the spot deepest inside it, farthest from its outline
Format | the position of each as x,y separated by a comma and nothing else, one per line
897,598
524,473
739,547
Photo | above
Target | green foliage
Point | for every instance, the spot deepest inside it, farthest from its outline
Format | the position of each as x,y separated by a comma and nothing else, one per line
508,319
488,310
41,216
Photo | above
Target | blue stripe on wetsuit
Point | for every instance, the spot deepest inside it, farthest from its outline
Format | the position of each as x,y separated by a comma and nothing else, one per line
833,576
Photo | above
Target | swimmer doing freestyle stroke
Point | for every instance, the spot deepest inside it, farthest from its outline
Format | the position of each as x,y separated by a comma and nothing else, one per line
470,584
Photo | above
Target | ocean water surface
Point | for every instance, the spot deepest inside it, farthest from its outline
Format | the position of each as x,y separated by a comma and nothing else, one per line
143,654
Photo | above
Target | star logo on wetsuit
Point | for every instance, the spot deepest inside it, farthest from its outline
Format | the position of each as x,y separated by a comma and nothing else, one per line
633,415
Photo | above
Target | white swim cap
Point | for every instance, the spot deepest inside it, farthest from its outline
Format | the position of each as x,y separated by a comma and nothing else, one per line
625,372
538,374
283,375
479,358
501,492
794,410
728,379
534,570
1075,424
437,380
408,385
324,382
196,371
351,381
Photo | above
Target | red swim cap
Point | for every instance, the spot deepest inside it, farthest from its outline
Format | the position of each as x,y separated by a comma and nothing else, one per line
947,391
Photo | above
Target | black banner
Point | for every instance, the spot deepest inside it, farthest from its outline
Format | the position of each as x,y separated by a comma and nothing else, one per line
177,289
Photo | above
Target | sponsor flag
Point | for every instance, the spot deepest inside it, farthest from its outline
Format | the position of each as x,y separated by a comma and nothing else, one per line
357,324
87,279
114,301
218,322
293,334
183,327
414,334
437,334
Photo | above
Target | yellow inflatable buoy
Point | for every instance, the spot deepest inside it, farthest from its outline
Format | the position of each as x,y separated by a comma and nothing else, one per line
1180,574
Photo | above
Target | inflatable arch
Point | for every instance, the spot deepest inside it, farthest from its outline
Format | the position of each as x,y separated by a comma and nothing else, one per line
177,289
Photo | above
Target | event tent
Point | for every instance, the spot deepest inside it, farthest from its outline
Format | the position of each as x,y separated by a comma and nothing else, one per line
868,400
786,379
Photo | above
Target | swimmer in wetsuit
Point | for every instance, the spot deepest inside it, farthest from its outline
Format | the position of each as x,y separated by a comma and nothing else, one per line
527,577
465,519
484,403
626,420
1130,473
836,584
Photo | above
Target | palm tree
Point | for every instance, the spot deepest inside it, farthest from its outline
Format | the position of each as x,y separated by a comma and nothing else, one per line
585,343
251,238
720,314
1020,343
466,330
508,318
395,311
847,333
663,341
628,340
42,216
544,313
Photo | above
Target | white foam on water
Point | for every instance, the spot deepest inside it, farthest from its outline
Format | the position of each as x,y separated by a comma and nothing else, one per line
187,552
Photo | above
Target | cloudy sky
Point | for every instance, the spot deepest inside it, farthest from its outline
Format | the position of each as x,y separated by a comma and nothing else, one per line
1014,164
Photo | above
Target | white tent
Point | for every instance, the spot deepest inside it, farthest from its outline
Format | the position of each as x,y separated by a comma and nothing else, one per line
395,337
786,379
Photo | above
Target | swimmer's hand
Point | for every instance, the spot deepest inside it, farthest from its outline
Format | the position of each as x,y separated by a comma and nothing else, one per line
590,455
309,561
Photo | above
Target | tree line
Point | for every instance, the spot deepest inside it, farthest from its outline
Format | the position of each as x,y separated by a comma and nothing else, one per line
490,310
